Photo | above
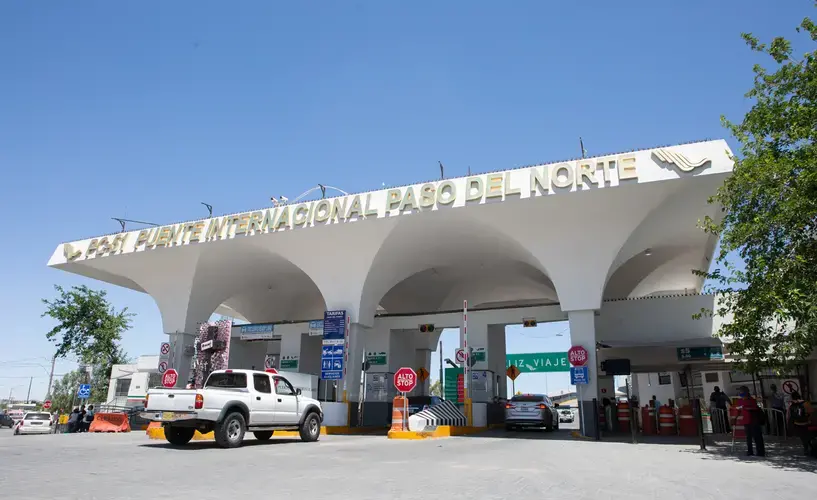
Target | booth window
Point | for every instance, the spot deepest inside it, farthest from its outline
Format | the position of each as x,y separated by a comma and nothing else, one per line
711,378
122,387
664,379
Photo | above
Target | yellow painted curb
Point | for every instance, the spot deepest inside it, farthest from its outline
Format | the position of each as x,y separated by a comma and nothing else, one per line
578,435
156,431
440,432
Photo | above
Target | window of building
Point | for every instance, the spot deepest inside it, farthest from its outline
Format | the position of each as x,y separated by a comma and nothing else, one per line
711,378
664,379
122,387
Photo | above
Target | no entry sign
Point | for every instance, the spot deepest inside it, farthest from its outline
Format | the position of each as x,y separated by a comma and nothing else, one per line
577,355
405,379
169,378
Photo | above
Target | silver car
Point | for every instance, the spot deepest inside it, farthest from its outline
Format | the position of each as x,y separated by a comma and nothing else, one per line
531,410
34,422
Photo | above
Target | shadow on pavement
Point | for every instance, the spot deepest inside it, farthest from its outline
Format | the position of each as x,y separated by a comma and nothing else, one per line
200,445
568,435
779,455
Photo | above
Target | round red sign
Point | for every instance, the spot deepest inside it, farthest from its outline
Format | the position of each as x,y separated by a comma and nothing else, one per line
405,379
169,378
46,405
577,355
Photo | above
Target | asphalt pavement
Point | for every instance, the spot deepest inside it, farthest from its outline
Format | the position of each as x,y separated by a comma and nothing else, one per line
494,465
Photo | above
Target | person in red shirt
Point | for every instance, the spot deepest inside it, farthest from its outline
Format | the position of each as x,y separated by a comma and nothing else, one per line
752,422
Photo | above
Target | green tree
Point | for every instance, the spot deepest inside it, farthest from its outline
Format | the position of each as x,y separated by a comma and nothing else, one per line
89,327
436,389
770,213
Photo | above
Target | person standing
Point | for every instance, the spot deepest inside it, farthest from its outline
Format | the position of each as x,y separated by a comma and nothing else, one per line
88,418
752,418
777,402
801,417
719,403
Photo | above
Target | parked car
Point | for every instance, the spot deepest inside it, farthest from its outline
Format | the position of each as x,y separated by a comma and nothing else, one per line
6,420
566,416
417,404
531,410
232,403
34,422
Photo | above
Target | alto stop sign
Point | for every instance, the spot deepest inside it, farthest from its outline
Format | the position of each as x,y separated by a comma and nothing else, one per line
577,355
405,379
169,378
46,405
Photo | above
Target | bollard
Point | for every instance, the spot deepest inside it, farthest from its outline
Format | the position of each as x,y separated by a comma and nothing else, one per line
696,408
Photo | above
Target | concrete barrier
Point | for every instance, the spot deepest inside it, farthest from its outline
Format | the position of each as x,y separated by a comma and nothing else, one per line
110,422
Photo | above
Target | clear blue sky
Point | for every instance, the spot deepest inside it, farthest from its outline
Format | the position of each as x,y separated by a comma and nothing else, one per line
144,109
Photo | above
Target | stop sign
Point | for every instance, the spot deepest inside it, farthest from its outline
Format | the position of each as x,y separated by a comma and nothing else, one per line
577,355
405,379
169,378
46,405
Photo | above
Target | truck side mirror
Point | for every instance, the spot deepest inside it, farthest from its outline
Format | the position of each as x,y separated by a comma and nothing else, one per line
297,392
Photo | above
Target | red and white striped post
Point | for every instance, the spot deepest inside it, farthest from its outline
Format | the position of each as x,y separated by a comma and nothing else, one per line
465,367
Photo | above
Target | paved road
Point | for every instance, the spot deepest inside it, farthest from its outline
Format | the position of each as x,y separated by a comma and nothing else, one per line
492,466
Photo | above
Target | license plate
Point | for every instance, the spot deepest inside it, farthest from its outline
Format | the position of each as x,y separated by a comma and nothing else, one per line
168,415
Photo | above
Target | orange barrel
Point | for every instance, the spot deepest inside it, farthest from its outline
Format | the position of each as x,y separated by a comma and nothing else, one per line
398,421
738,426
623,416
666,421
648,420
686,421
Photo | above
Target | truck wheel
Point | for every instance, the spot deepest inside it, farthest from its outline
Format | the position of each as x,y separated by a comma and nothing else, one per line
230,432
179,436
263,435
311,428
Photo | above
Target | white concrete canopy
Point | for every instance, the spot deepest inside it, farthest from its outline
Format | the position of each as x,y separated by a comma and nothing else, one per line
510,237
566,236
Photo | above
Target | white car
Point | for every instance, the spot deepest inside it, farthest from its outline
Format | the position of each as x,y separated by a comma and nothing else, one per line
231,403
34,422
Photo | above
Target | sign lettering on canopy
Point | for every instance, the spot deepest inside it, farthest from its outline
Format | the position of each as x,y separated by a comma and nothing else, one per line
536,362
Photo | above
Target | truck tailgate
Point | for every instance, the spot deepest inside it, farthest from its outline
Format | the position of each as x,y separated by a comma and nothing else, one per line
171,400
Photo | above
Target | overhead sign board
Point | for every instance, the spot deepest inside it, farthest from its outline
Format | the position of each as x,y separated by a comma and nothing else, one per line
332,348
256,332
705,353
579,375
289,362
536,362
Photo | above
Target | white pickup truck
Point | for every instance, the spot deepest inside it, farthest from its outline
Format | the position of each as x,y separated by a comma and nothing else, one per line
231,403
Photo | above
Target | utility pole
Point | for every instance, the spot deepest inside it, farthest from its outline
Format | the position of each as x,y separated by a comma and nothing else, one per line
28,396
51,377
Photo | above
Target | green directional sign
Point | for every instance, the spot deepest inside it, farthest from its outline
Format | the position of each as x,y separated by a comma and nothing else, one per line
539,362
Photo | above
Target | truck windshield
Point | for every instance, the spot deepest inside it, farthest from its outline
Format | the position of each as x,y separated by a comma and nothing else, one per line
227,380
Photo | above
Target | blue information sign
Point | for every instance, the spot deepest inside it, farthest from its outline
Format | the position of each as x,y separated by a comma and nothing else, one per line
84,391
578,375
332,348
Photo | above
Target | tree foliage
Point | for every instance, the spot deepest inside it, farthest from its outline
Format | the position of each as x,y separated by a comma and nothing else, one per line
436,389
89,327
770,213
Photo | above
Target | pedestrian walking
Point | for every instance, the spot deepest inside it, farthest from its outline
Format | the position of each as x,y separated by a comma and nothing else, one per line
752,418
